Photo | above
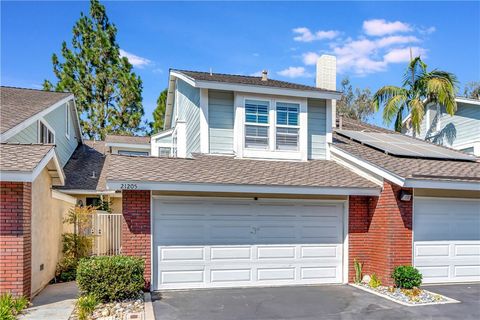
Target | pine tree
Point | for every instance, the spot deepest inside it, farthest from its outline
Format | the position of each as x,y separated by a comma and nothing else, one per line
159,112
108,93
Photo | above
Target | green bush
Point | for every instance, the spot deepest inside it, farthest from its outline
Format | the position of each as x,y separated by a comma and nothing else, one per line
358,270
85,306
406,277
11,306
374,281
111,278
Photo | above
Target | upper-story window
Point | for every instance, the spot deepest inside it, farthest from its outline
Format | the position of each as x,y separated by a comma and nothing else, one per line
133,153
45,133
287,126
256,124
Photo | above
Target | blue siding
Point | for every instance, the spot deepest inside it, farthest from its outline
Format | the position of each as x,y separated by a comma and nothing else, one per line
55,119
27,135
461,128
317,125
188,104
64,146
220,120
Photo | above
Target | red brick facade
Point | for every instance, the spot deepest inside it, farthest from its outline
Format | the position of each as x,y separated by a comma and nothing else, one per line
136,227
380,233
15,237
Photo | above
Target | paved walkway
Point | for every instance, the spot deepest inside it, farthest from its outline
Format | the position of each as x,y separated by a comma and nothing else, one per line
56,301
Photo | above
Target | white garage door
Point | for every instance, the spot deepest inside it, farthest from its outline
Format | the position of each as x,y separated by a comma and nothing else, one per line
447,239
229,243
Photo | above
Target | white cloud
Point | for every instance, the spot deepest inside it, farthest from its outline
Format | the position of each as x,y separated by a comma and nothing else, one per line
403,54
135,60
305,35
380,27
310,58
429,30
365,56
294,72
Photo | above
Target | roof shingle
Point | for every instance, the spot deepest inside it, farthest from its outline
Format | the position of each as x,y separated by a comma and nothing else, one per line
228,170
22,157
249,80
112,138
18,104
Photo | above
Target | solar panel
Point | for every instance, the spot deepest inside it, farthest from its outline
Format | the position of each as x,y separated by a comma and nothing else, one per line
401,145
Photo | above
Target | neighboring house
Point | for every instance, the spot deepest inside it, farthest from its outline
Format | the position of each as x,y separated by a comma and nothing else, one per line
460,131
39,132
253,183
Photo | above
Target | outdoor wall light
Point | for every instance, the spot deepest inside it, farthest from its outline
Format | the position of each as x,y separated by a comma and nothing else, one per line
405,195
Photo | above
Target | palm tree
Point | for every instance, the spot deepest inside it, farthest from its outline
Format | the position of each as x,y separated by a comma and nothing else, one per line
419,89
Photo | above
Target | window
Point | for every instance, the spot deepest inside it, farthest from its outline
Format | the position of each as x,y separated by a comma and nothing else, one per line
67,121
164,152
287,126
132,153
256,124
45,135
469,150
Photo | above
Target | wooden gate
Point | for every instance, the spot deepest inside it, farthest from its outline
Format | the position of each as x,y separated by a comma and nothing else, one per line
106,231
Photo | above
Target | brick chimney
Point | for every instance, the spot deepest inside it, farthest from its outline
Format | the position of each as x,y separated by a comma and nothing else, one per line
327,79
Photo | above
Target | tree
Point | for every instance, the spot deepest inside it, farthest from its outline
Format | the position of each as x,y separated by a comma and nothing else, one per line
108,93
419,88
159,112
356,105
472,90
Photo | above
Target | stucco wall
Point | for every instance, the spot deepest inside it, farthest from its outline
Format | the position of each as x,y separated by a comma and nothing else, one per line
47,228
116,204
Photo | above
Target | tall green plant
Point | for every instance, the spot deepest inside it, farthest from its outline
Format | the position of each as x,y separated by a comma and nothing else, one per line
358,270
159,112
419,88
108,93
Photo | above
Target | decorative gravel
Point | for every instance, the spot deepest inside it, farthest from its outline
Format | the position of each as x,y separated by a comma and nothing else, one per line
115,310
423,297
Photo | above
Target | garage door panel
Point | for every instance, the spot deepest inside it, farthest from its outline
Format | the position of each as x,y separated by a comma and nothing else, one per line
248,245
447,239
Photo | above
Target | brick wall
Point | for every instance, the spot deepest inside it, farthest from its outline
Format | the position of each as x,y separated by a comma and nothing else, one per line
136,227
15,237
380,232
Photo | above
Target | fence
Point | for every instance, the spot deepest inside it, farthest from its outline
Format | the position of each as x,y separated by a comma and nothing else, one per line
106,231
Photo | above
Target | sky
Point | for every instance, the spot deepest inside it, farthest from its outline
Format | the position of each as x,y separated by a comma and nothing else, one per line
371,40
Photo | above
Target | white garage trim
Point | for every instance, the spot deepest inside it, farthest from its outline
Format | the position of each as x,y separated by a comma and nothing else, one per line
446,239
204,245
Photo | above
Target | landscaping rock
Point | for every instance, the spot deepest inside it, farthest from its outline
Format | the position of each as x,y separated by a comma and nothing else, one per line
418,296
115,310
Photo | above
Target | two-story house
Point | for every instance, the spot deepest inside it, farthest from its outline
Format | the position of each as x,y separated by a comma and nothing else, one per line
460,131
252,184
39,132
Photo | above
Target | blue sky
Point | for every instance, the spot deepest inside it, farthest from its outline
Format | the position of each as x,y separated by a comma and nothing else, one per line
370,39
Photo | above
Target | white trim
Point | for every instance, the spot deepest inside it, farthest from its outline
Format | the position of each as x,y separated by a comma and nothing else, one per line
161,134
30,176
448,198
439,184
49,128
345,260
204,136
151,242
89,192
236,188
183,77
329,133
67,121
79,128
64,197
19,127
368,166
128,145
467,101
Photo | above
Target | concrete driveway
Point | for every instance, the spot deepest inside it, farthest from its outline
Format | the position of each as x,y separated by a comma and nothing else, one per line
309,302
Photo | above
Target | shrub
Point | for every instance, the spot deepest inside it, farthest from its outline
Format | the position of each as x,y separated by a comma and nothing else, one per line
406,277
111,278
374,281
85,306
11,306
358,270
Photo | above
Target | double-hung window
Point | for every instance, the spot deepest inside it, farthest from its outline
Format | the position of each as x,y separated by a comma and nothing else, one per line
287,126
256,124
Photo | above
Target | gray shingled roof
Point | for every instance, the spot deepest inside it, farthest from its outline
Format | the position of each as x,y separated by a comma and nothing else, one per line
249,80
89,157
228,170
112,138
22,157
18,104
417,168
